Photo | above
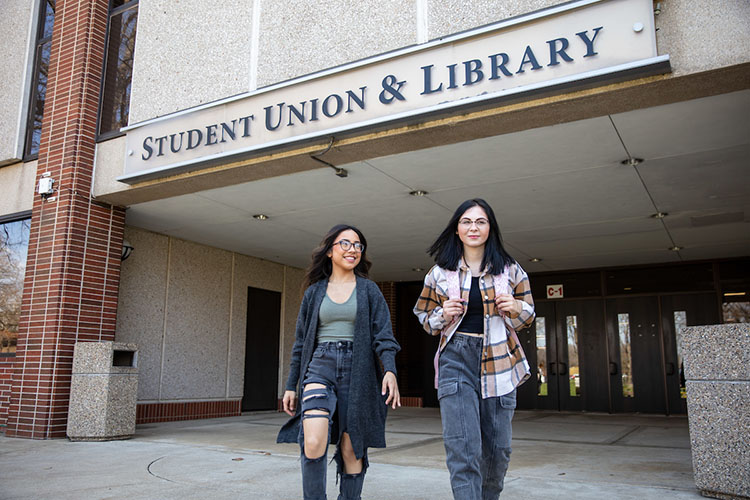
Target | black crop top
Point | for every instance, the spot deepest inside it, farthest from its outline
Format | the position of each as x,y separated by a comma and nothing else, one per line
473,321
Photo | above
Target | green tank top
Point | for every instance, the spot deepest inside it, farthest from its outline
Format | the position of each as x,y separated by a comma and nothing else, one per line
336,321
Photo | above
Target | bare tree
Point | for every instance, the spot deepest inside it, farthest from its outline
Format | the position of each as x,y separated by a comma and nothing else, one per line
14,237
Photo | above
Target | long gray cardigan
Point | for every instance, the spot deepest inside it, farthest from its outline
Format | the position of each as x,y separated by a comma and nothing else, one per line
372,336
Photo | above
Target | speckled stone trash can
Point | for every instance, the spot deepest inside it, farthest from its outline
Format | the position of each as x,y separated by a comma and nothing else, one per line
103,391
717,373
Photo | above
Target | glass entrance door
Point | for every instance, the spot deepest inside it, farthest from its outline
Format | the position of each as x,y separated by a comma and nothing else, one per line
636,368
568,358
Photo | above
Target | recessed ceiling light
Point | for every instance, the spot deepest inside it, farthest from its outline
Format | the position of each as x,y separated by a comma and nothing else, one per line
627,288
632,161
675,248
659,215
260,216
535,259
417,269
419,192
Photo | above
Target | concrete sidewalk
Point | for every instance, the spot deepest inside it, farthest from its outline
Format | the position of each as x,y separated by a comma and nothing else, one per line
555,455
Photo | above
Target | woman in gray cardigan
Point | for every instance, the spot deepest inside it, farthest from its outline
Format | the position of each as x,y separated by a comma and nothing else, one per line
343,327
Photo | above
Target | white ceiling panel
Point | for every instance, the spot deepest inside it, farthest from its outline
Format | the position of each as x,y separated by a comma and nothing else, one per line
583,230
618,259
714,251
612,244
700,181
720,234
591,195
180,212
308,191
535,152
681,128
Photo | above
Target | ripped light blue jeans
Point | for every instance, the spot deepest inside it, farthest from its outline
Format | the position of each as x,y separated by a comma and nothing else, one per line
476,431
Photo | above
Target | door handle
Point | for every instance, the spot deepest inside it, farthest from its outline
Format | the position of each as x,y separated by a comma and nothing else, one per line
552,368
670,368
612,368
564,369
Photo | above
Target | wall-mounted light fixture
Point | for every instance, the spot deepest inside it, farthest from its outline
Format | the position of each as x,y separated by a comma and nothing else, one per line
535,259
260,217
419,192
127,249
340,172
46,185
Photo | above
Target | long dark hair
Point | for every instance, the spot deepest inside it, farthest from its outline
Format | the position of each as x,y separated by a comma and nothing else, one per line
321,267
448,248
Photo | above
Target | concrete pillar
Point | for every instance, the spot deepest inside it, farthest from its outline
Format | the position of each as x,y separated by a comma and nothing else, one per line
717,373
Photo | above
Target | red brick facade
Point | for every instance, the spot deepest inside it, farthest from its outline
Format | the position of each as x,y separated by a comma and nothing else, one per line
168,412
6,369
73,266
389,292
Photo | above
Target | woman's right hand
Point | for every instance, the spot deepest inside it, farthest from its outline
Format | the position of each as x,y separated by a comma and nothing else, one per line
289,402
452,308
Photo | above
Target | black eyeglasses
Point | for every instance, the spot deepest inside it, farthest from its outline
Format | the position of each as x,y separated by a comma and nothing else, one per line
346,245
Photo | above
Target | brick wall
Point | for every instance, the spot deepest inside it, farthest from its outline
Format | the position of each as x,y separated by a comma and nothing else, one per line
6,368
190,410
389,292
73,265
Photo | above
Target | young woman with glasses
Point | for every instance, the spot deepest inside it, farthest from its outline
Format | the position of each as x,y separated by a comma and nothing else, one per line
475,298
343,329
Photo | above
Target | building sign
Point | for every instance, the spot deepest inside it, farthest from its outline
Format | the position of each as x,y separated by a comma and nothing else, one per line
554,291
569,46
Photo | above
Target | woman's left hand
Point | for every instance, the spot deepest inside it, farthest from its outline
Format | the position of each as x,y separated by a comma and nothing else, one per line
390,385
508,304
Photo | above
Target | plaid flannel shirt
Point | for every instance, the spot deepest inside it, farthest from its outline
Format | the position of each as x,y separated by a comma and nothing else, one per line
504,367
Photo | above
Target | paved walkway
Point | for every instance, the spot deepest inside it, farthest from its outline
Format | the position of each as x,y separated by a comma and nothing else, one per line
555,455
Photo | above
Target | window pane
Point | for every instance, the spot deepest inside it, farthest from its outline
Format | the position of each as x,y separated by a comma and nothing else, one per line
626,360
736,312
541,354
680,322
571,323
39,98
14,243
117,3
48,20
119,70
39,89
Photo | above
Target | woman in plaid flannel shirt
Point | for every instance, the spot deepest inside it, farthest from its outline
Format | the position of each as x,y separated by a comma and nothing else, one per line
475,298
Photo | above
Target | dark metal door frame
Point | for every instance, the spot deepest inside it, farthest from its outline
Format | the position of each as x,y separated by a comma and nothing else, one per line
260,390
